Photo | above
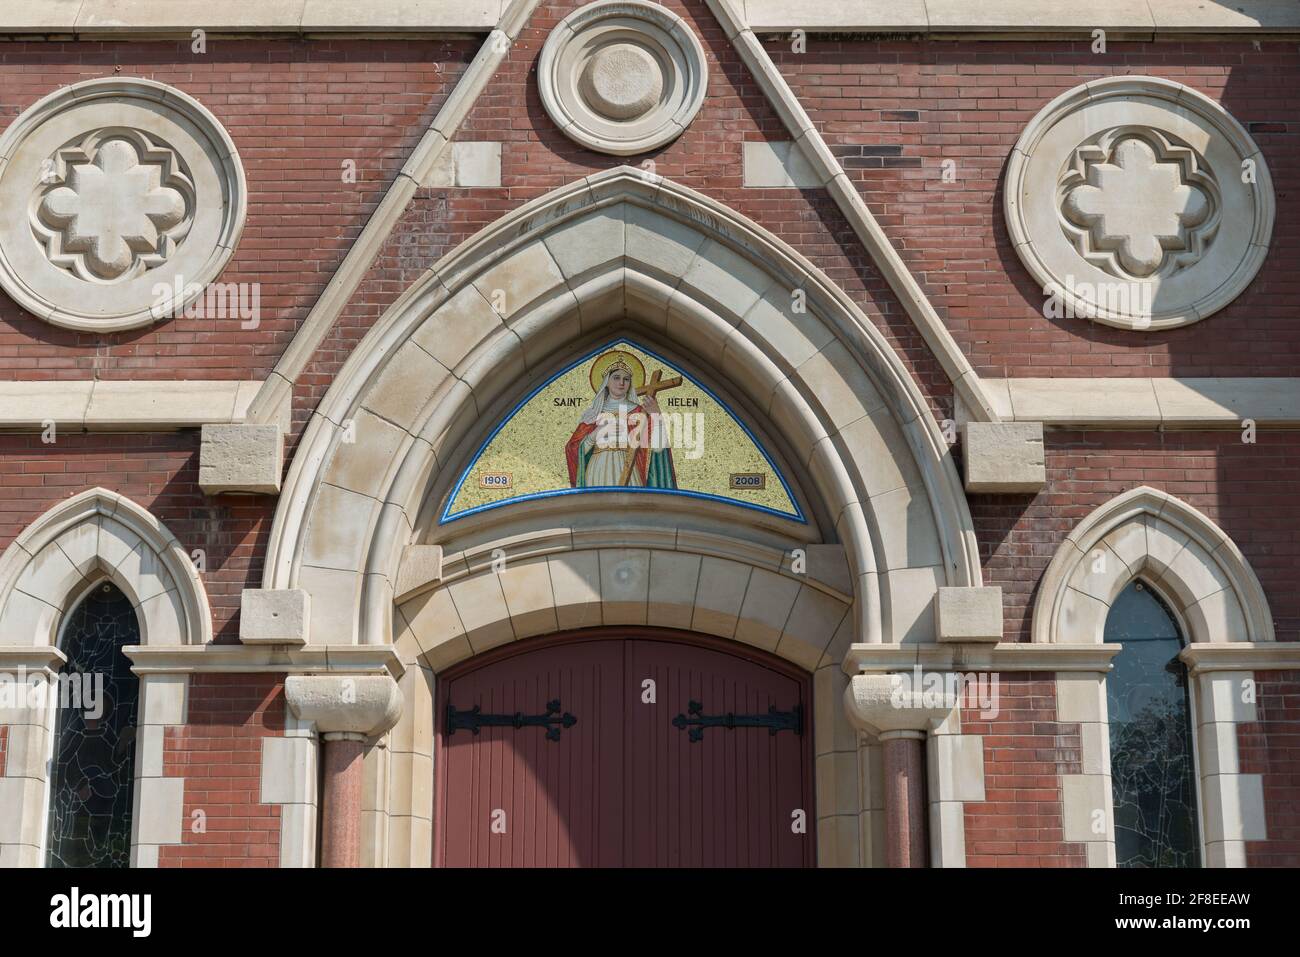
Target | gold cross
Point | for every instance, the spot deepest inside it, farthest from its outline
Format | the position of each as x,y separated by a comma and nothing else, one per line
651,389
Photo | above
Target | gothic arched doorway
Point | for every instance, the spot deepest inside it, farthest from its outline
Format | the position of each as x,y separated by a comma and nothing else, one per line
624,747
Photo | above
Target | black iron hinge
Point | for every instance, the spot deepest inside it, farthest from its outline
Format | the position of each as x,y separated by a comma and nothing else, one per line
774,720
474,719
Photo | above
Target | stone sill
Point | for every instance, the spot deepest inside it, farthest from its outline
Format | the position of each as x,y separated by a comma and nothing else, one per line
123,406
990,19
153,17
1242,656
1004,656
262,659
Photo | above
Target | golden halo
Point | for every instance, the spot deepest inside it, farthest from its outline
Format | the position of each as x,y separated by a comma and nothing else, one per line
602,364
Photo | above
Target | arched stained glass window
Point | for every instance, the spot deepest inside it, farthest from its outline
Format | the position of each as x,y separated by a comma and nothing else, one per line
1153,774
92,783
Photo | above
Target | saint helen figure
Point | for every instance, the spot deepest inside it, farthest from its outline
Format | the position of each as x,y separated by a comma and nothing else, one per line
618,440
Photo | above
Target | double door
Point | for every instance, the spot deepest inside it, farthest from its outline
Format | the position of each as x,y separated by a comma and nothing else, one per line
615,750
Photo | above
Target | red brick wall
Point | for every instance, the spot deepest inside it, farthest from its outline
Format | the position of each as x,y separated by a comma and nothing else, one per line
1248,489
1026,750
158,472
295,110
1271,747
219,753
537,158
894,111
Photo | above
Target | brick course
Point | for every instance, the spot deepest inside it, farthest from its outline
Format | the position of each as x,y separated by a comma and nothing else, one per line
160,473
219,753
1248,489
1271,747
296,111
968,102
1026,750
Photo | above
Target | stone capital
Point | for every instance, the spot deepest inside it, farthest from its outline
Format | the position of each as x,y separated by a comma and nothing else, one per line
345,704
884,704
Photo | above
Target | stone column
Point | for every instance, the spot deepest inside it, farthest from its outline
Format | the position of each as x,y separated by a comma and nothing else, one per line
889,708
904,762
346,709
341,798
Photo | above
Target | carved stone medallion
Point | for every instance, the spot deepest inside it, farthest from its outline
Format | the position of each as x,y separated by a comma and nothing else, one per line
1139,203
132,191
622,76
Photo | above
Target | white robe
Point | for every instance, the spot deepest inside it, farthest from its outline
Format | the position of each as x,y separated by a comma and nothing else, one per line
607,462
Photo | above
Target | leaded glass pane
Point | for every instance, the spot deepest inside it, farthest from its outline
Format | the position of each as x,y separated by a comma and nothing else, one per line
94,751
1152,768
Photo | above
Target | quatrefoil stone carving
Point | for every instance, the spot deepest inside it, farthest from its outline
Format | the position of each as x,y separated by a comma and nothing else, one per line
1138,202
112,216
130,199
1137,206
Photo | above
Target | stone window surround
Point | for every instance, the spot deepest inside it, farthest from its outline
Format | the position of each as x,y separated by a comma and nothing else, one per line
1223,613
95,536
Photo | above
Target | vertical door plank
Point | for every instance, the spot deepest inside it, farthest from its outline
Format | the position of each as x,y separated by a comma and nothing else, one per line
562,806
726,800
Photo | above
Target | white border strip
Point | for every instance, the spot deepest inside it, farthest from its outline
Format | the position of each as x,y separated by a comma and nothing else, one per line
96,405
125,17
1152,18
1141,403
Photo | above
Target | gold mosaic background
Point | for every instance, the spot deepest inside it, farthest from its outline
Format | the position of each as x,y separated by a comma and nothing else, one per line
530,446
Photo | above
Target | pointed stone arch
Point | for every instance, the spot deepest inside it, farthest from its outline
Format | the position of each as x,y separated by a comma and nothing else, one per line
92,536
1149,534
1209,586
610,248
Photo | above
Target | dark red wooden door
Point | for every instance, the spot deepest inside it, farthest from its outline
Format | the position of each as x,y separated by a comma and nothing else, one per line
513,798
623,785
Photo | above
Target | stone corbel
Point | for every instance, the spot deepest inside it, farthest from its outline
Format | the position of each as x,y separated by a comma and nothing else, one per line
900,717
346,710
1004,457
345,706
243,458
885,705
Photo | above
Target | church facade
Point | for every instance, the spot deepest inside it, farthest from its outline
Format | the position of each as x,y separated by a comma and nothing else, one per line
701,433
